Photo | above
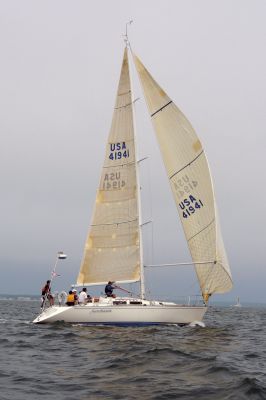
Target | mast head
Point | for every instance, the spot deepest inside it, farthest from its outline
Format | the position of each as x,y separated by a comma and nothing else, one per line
126,40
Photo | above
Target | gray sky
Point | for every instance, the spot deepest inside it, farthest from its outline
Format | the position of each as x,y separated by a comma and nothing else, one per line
59,68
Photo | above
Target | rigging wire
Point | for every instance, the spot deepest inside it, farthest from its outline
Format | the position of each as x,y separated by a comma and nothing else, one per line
126,34
151,211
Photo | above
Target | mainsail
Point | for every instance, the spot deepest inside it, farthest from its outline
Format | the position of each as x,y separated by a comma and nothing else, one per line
191,184
112,249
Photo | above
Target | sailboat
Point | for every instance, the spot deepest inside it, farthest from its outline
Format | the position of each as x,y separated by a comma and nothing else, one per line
114,246
238,304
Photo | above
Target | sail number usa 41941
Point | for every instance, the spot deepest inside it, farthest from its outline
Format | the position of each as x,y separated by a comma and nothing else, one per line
118,150
190,205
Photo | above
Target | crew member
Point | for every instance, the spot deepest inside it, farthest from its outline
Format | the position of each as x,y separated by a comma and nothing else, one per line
70,299
76,298
109,289
83,296
46,293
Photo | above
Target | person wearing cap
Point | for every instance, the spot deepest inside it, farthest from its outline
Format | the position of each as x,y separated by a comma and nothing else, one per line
76,298
109,289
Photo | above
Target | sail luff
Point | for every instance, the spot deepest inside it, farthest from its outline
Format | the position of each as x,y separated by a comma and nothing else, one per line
142,275
191,183
112,247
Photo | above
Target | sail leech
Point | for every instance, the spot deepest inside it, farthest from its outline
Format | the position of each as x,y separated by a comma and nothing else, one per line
112,250
191,183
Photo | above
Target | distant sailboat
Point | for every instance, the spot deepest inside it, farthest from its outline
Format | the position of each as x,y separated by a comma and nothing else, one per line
113,249
238,304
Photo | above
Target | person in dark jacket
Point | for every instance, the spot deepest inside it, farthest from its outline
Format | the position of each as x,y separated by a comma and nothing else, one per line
46,293
109,289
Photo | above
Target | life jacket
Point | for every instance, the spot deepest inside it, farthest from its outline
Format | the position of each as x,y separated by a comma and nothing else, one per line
71,298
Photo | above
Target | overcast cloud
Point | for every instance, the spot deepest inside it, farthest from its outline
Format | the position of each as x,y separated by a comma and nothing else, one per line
59,68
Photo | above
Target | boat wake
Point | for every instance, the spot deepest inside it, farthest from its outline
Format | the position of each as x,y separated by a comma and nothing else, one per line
8,321
197,323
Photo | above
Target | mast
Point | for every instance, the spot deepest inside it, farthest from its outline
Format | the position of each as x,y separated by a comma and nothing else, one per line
142,276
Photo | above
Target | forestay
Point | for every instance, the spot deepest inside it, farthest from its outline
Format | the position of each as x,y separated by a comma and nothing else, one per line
191,184
112,249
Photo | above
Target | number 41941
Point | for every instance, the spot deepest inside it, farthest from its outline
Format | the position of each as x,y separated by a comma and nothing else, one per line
190,205
117,155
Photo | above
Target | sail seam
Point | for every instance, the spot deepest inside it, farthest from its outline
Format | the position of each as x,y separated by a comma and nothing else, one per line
160,109
122,94
114,245
192,237
119,165
191,162
116,223
126,105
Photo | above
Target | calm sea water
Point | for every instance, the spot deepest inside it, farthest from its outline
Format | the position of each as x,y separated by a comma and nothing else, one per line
224,360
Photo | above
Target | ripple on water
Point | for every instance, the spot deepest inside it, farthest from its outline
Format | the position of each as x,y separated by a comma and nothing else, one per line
224,360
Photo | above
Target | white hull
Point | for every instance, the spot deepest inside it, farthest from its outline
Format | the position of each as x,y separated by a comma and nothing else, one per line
106,312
